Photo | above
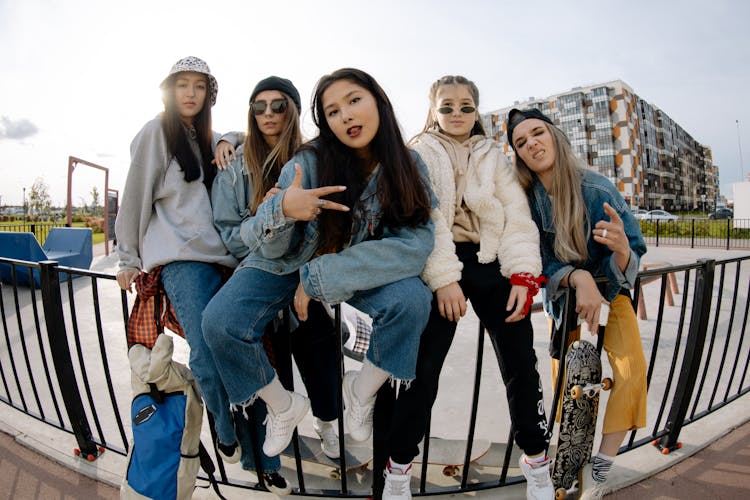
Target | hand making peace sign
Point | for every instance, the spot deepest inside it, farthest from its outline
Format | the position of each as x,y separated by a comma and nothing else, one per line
306,204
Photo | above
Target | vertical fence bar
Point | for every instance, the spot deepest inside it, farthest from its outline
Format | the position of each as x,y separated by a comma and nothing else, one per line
728,231
693,353
692,233
58,341
474,407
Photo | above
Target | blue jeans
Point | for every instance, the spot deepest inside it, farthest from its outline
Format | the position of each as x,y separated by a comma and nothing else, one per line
258,412
234,320
190,286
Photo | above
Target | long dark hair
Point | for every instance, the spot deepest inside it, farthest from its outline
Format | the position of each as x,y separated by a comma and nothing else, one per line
403,194
178,143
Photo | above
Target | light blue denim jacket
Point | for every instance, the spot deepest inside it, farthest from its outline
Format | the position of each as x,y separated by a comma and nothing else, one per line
596,190
230,196
282,245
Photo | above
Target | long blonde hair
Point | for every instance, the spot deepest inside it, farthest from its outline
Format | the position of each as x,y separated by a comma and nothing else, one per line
568,206
263,163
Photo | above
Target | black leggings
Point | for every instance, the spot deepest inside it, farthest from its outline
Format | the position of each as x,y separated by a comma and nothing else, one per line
488,292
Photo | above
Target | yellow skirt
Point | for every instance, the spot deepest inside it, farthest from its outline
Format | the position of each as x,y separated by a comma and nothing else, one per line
626,407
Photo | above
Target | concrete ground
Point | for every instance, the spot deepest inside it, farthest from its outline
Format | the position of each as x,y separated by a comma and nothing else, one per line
713,462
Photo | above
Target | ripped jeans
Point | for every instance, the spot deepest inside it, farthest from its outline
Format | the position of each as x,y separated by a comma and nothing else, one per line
234,321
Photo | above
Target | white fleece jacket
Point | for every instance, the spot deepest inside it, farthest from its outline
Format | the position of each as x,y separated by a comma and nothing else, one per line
506,231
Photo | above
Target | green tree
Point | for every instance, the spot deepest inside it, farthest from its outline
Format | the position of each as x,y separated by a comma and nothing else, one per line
40,202
95,200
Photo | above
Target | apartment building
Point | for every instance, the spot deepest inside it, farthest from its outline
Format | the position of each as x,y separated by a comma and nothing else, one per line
651,159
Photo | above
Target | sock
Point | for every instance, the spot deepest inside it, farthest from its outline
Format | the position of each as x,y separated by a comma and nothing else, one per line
368,381
536,460
395,466
276,397
600,466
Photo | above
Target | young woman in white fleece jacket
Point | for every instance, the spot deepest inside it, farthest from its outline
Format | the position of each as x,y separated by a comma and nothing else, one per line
487,251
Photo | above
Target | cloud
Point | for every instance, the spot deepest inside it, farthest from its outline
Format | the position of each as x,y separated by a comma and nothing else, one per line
16,129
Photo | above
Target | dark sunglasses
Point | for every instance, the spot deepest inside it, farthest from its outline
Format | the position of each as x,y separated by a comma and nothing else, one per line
446,110
278,106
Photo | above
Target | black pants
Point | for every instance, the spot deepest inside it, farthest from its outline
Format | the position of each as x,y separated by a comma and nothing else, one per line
314,344
407,416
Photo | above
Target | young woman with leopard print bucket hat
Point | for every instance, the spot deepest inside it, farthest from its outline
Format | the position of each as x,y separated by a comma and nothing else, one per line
166,238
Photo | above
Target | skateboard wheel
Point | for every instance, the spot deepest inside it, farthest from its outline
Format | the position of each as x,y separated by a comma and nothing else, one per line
560,493
90,457
606,383
335,474
665,451
76,452
576,391
450,470
655,442
679,445
101,449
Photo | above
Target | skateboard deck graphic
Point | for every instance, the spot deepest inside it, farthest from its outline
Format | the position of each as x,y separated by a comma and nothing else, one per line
452,452
580,405
358,454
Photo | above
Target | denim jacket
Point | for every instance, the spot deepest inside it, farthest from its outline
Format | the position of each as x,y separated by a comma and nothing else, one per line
230,196
596,190
377,255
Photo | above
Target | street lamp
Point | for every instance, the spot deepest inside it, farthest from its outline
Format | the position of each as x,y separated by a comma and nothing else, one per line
24,205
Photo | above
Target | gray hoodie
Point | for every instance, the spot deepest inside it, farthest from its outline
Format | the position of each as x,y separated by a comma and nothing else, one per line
162,218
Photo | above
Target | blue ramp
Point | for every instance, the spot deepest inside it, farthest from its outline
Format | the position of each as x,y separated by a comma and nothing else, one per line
70,247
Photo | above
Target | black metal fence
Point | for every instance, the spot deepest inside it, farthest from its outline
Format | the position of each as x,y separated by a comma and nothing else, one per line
39,229
63,361
695,233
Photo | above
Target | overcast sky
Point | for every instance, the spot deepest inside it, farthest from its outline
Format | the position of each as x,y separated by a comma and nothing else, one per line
80,78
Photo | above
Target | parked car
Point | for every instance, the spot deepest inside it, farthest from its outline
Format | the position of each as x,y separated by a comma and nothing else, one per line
722,213
660,215
639,213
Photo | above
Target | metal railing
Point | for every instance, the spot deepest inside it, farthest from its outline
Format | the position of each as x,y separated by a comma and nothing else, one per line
698,233
39,229
60,347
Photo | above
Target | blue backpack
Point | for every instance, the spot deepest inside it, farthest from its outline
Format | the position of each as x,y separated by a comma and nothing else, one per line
166,418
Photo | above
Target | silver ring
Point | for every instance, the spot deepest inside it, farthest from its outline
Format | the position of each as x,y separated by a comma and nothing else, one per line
604,233
321,203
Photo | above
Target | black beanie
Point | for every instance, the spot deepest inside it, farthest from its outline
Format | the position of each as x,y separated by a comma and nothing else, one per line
280,84
516,116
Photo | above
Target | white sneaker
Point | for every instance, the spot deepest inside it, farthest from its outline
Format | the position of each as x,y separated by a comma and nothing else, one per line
538,481
279,428
329,440
358,414
397,485
588,488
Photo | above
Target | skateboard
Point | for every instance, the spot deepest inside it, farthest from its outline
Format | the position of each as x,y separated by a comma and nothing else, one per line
580,405
358,454
451,453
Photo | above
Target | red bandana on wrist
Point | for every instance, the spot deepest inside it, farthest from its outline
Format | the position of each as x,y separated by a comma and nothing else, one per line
529,281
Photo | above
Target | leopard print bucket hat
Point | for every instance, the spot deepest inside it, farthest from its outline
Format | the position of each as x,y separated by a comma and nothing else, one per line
198,65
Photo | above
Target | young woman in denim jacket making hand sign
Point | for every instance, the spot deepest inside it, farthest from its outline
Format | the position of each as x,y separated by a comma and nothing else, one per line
587,232
363,238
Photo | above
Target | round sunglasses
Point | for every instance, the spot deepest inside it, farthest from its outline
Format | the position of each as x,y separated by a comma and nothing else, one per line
446,110
278,106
